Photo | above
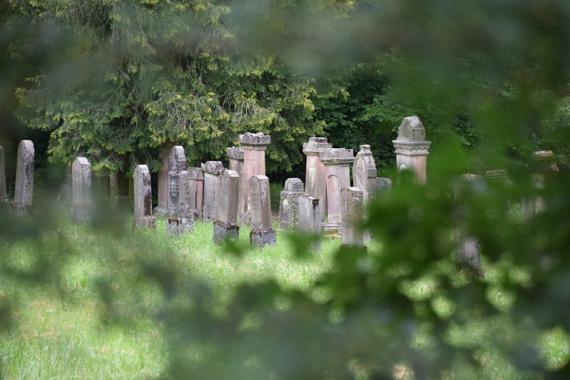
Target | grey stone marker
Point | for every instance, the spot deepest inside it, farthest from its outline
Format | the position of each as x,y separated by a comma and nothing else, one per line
162,207
3,193
352,207
337,161
259,205
196,190
364,172
309,215
288,204
212,184
179,219
412,149
316,171
24,191
225,227
383,184
82,197
143,198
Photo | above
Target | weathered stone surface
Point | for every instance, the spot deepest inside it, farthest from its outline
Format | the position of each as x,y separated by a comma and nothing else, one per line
383,184
234,153
309,215
143,197
212,189
114,187
162,207
259,205
337,161
24,192
316,172
180,219
253,146
352,208
223,232
288,205
229,195
82,197
411,148
364,172
3,192
196,190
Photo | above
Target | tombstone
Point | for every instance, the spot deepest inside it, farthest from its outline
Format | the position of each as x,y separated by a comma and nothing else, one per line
114,187
364,172
253,146
180,220
309,215
412,149
288,204
24,191
143,198
337,162
316,172
3,193
225,227
352,206
162,206
196,190
259,206
212,188
382,184
82,196
236,158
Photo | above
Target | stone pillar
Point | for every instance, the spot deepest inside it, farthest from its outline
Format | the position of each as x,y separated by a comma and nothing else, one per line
253,146
309,215
196,190
235,158
114,187
3,193
212,188
24,191
288,204
162,206
337,161
412,149
259,206
179,218
364,172
82,197
316,172
352,207
143,198
225,227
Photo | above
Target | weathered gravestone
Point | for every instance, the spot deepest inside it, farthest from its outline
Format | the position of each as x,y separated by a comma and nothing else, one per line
259,206
337,162
180,219
364,172
225,227
352,206
3,193
316,171
24,191
196,190
309,215
143,198
382,184
162,206
253,146
236,158
412,149
288,205
82,197
212,188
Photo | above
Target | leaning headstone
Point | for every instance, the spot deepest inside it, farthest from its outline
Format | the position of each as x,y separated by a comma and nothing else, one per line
309,215
259,205
143,198
82,197
412,149
337,161
288,204
179,219
316,171
212,184
24,191
3,193
352,207
253,146
364,172
196,190
226,227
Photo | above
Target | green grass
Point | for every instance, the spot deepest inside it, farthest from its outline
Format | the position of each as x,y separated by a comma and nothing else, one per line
58,330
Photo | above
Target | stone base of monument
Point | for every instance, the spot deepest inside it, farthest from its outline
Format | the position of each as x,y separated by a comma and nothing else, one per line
145,222
332,231
179,226
261,238
223,232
